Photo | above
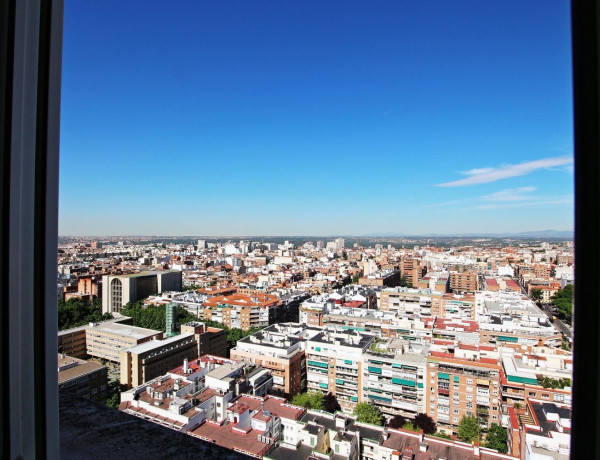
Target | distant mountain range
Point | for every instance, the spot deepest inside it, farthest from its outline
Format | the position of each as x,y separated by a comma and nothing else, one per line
530,234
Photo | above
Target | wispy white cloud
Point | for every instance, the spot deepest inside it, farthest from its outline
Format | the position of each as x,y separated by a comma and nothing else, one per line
507,198
510,194
538,202
485,175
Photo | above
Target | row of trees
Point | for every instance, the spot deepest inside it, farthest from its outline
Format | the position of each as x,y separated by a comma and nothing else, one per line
78,312
548,382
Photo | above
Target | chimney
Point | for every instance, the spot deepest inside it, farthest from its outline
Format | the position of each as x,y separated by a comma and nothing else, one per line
476,449
185,366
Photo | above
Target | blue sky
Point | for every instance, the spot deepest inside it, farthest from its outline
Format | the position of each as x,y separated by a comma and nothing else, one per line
315,118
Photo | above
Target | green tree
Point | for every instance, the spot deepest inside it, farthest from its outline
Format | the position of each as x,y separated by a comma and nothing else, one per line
368,414
345,255
469,429
154,316
403,282
563,300
497,438
355,279
78,312
441,434
114,394
191,287
410,427
536,295
310,400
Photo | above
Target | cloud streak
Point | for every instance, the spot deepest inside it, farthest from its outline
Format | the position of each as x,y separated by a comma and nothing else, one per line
507,198
510,194
538,202
486,175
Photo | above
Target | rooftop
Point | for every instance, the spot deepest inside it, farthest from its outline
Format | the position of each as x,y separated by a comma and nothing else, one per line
71,368
123,330
403,441
157,343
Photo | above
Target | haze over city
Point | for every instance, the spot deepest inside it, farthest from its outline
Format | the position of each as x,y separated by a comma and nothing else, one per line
316,118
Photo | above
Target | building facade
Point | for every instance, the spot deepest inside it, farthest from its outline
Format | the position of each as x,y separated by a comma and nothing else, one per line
118,290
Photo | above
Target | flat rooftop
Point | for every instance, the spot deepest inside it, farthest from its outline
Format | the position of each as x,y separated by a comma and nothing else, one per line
225,370
158,343
360,341
124,330
225,436
74,368
146,273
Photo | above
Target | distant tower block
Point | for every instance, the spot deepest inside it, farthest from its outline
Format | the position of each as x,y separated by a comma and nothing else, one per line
171,321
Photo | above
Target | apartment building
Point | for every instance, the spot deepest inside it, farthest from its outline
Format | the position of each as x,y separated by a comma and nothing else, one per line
542,271
118,290
462,384
411,301
334,365
436,281
454,330
291,301
355,296
311,311
542,373
457,306
279,348
360,319
510,317
83,378
394,377
412,271
414,329
387,277
463,282
244,311
90,285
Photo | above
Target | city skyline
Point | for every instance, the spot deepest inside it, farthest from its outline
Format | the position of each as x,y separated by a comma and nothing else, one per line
237,120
